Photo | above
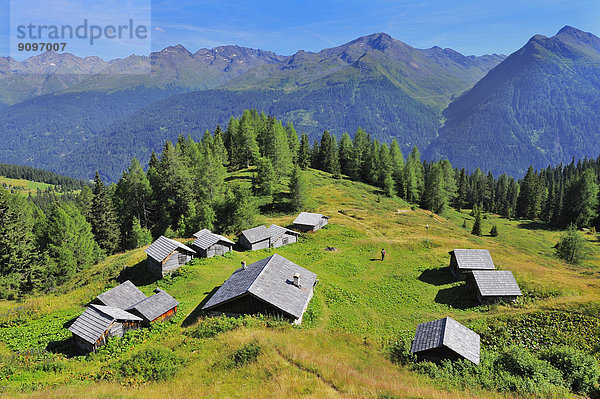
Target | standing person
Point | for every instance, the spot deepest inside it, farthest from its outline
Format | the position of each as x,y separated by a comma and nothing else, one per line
382,254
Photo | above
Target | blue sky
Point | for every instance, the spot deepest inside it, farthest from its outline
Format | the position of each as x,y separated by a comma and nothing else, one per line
470,27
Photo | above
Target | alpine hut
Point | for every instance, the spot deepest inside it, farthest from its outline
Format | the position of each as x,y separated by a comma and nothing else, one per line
158,307
466,260
272,286
166,255
208,244
310,221
445,339
281,236
255,238
98,323
493,285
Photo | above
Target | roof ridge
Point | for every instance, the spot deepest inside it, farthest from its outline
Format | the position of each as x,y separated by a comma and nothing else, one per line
261,272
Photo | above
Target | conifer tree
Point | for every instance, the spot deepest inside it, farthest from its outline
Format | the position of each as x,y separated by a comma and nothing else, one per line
18,254
360,148
264,179
103,218
581,200
139,236
345,154
477,224
529,200
299,195
70,247
304,153
413,177
293,141
434,196
397,160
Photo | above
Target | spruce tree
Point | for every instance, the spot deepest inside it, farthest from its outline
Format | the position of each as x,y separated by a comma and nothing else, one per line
581,200
304,153
477,224
299,196
397,161
434,196
103,218
264,179
413,177
18,254
345,154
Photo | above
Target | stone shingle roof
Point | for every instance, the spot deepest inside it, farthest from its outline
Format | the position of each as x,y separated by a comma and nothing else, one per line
474,259
123,296
309,219
205,239
496,283
96,319
450,334
163,247
271,280
156,305
256,234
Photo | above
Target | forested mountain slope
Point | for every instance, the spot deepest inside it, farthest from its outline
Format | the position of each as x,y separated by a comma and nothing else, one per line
538,107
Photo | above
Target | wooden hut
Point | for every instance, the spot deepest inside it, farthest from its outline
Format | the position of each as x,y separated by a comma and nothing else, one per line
158,307
255,238
99,323
208,244
310,221
445,339
281,236
272,286
166,255
467,260
491,286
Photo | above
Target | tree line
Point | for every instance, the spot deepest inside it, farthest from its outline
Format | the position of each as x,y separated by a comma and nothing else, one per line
46,240
560,195
63,183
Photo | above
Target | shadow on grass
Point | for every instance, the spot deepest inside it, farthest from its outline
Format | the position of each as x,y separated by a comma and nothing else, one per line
192,318
531,225
437,276
138,274
456,297
67,346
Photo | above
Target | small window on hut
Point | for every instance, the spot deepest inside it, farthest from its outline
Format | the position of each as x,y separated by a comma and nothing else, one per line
182,258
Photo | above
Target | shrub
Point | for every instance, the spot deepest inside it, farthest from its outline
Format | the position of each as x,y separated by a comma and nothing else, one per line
212,326
246,354
520,362
571,246
579,370
399,352
152,364
494,231
464,225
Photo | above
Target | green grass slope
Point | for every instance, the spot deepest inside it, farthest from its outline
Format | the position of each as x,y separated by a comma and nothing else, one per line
359,304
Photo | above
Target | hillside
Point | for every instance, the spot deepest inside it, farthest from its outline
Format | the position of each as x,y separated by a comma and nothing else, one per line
535,108
359,305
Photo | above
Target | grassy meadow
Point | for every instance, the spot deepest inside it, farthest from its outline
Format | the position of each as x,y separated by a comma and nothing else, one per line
360,305
24,187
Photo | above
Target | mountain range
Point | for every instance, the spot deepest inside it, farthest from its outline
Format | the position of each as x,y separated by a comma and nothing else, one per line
76,115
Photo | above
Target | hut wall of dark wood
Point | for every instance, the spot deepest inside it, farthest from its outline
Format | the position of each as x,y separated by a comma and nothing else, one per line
284,240
454,268
248,304
214,250
438,354
254,246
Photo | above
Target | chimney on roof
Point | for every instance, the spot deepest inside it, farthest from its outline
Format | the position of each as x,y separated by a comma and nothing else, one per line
244,264
297,279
